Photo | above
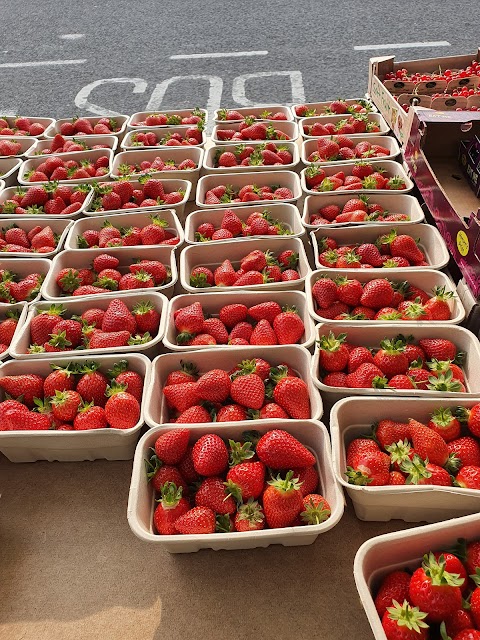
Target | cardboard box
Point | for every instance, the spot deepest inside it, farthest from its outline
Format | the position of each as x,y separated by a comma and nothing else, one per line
469,158
400,121
431,154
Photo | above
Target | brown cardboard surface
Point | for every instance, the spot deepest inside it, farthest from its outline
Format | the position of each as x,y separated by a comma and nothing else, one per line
72,570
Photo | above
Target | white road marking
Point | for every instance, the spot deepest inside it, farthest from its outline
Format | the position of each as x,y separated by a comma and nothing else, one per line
231,54
39,63
82,97
72,36
401,45
8,112
296,82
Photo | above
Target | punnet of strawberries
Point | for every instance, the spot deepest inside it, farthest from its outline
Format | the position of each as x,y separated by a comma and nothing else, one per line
252,389
10,147
429,364
75,397
390,250
233,115
158,164
50,199
223,193
336,107
40,239
54,168
147,192
107,275
255,268
380,299
357,209
208,486
20,126
250,129
89,126
443,450
258,223
265,323
342,148
353,124
361,175
15,288
185,137
61,144
157,119
8,325
260,155
156,232
438,597
119,325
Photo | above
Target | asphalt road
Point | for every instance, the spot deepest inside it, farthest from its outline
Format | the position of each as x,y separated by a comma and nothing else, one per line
313,41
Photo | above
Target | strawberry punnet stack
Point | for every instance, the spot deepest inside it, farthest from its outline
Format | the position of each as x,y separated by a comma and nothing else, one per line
246,267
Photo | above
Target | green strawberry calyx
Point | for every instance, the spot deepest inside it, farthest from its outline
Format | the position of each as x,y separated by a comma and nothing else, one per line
407,616
435,570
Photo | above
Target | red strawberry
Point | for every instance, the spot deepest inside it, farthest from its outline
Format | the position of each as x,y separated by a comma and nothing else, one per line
393,587
438,348
278,449
371,468
214,386
333,352
28,385
172,506
427,443
171,447
315,509
250,517
122,409
282,501
291,393
210,455
213,494
401,621
246,480
199,520
248,391
92,384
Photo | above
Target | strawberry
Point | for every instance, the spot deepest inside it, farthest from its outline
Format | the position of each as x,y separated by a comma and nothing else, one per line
61,379
333,352
315,509
122,409
249,517
224,275
404,622
388,432
280,450
28,385
210,455
65,405
188,322
89,417
16,419
463,452
232,314
199,520
213,494
359,446
195,414
377,293
358,356
171,507
325,292
147,318
214,386
118,317
438,305
288,326
390,358
393,587
104,340
154,268
139,280
436,591
92,384
265,311
188,372
282,501
428,443
246,480
444,423
8,327
438,348
468,477
170,447
231,413
248,391
131,379
263,334
370,468
216,328
291,393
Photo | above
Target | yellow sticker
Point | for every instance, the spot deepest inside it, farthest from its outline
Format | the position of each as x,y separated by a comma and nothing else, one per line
462,243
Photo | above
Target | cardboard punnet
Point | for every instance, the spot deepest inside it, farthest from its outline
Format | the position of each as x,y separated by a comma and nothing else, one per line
398,119
352,418
141,504
432,157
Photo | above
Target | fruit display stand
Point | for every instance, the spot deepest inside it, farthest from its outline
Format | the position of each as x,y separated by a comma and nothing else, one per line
109,595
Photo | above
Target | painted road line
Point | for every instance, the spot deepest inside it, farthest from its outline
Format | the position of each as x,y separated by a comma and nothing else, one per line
401,45
231,54
40,63
72,36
